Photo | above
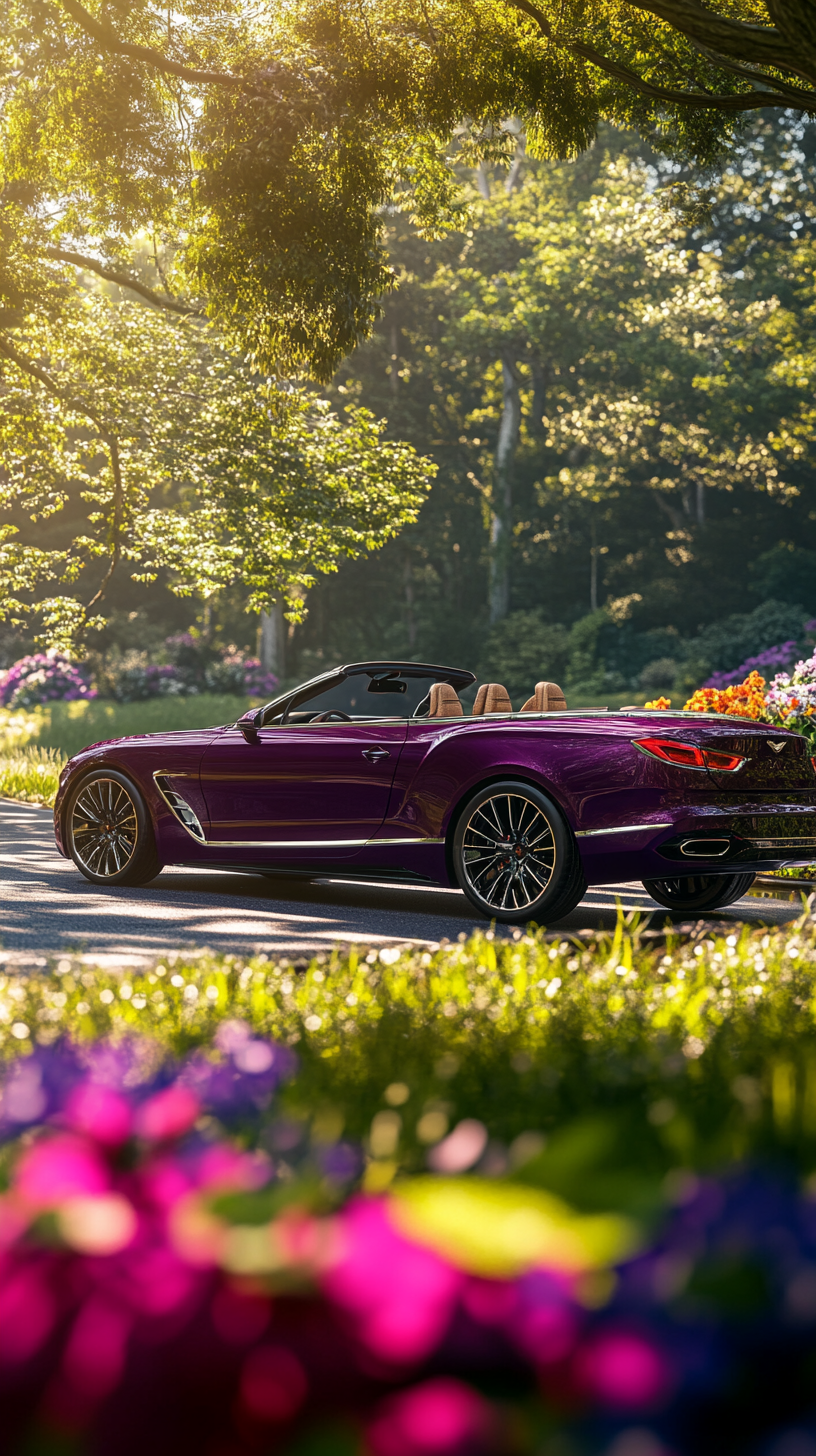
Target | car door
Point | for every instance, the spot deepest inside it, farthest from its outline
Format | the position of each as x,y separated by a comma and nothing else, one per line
301,788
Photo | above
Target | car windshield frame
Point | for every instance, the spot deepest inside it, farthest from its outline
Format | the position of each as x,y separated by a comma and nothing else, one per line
278,713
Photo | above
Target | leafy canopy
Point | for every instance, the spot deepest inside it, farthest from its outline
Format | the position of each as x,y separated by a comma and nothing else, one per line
264,144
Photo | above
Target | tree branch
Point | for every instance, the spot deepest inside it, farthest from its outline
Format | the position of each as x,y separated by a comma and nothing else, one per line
785,96
116,523
741,101
759,43
63,255
106,36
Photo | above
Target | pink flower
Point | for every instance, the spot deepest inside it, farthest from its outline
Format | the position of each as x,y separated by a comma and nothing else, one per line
402,1296
438,1418
99,1112
58,1168
168,1114
623,1370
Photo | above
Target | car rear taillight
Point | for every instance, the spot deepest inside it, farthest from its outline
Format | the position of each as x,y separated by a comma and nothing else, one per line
723,762
688,755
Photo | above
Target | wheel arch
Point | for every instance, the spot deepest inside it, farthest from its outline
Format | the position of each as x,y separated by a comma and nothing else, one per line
521,776
86,771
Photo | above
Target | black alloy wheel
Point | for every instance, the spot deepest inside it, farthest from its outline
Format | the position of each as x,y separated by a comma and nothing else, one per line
515,857
108,831
699,892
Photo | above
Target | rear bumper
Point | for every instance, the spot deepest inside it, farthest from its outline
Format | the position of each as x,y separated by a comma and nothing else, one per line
706,842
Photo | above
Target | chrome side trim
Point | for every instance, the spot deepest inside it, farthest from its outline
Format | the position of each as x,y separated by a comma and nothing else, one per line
312,843
622,829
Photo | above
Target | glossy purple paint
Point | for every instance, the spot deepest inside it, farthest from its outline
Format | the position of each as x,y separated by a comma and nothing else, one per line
380,797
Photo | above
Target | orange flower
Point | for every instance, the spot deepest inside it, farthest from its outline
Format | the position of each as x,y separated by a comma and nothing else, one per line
659,703
743,700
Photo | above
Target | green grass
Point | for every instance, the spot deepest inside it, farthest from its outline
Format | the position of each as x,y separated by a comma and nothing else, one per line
653,1055
70,727
30,774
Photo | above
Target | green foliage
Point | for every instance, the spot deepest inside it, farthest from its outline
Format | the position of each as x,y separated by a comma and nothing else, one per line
522,650
270,175
728,643
191,465
655,1054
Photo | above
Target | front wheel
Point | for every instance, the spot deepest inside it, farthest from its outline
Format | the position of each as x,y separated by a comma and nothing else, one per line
109,833
515,857
699,892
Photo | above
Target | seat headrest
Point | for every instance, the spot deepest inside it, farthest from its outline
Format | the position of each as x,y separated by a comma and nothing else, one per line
492,698
548,698
444,702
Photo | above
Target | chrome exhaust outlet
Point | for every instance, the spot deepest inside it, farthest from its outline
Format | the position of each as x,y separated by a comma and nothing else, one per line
705,848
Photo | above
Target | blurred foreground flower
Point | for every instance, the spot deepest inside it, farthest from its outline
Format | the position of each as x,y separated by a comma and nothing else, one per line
172,1286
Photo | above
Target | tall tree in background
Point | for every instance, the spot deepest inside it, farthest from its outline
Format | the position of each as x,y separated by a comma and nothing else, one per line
654,367
190,465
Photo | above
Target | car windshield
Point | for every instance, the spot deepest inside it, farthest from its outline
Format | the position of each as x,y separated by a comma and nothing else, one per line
364,696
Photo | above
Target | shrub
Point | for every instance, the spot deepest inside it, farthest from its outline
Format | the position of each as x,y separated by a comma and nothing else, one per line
45,677
731,641
523,650
659,674
192,667
764,663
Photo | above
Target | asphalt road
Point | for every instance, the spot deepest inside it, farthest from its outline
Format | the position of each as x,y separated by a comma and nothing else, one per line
46,907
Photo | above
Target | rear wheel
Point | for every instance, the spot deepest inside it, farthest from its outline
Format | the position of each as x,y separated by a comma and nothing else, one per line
109,833
699,892
515,857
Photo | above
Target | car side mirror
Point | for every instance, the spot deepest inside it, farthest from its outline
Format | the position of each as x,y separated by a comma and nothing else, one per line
248,724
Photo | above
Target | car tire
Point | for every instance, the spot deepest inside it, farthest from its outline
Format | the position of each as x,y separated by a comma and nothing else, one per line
109,834
515,856
699,892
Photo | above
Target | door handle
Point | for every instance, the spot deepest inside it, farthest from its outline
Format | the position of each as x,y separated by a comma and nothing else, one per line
375,754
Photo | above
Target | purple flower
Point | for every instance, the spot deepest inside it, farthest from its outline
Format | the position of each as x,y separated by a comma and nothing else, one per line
771,660
45,677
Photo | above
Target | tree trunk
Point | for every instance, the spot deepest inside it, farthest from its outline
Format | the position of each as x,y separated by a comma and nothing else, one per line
514,175
272,643
483,181
701,520
410,621
501,522
394,366
593,568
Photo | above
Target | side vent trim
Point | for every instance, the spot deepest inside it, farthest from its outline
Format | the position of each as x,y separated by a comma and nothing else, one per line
179,808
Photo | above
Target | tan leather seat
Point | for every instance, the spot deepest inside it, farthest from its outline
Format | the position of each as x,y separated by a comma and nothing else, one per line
444,702
547,698
492,698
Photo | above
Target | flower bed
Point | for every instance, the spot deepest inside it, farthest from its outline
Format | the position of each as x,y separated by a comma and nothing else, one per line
45,677
509,1196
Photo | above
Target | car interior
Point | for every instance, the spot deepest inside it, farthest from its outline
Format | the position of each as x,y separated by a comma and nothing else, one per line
389,695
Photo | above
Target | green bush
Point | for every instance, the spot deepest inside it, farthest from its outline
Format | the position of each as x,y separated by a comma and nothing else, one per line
522,650
632,1056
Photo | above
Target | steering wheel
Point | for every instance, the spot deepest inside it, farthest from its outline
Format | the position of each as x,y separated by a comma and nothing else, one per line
331,713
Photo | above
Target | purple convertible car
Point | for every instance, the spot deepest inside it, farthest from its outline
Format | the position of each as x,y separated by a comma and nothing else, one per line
375,771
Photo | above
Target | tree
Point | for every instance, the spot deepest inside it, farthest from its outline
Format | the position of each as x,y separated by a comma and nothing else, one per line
191,465
263,143
581,269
